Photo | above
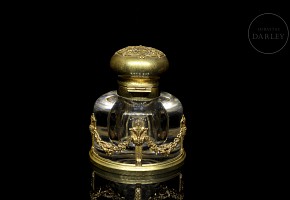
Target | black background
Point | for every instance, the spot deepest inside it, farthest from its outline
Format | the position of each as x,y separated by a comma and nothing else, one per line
234,98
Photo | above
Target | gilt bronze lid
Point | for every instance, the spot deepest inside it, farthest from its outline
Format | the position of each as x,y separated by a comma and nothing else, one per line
139,61
138,69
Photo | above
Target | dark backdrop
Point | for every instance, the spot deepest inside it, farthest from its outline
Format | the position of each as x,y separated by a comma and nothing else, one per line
234,97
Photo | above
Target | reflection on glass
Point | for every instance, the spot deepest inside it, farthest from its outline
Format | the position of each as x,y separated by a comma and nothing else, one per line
105,185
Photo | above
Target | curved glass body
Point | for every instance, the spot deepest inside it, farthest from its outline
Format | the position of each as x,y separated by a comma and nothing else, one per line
116,117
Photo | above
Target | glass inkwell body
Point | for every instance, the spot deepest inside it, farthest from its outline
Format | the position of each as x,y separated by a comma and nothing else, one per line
136,129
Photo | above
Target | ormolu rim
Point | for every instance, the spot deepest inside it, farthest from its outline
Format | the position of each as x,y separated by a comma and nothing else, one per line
127,179
133,170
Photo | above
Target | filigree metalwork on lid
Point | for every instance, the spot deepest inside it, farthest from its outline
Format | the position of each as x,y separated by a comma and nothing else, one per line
139,61
140,51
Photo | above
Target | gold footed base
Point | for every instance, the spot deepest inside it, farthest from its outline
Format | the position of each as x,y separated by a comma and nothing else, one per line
137,173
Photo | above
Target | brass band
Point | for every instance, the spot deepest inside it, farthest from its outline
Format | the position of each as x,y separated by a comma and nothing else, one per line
125,169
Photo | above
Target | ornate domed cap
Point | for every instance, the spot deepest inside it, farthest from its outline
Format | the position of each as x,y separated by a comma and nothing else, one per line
139,61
